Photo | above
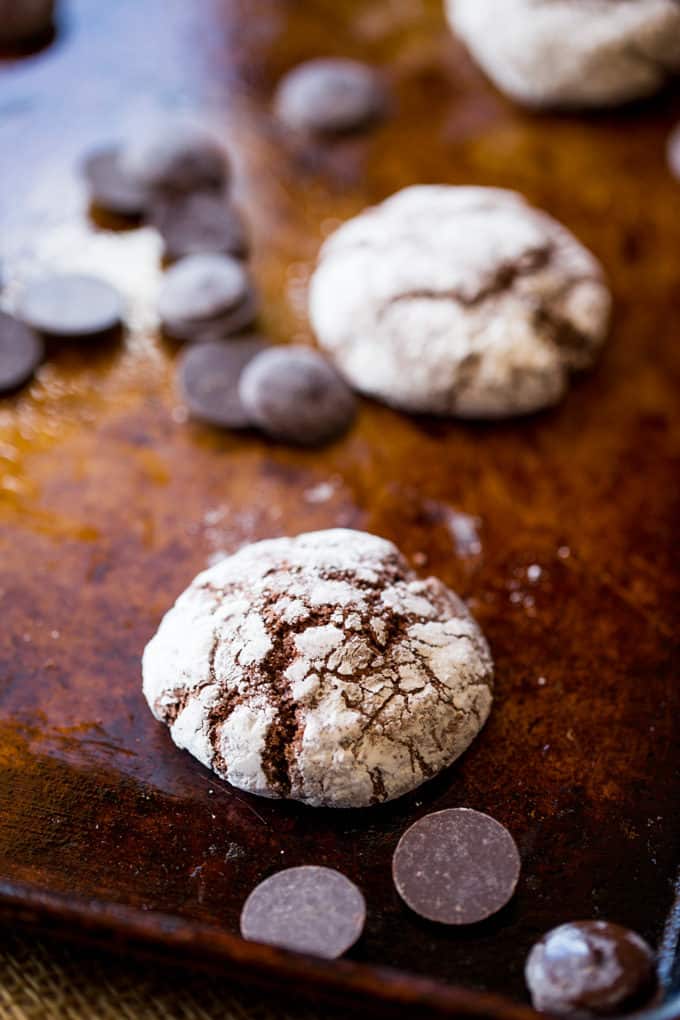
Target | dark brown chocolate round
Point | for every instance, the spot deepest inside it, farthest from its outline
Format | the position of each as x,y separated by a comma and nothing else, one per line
70,305
457,866
208,376
110,187
294,395
309,909
330,96
590,968
206,297
23,20
201,221
21,351
176,156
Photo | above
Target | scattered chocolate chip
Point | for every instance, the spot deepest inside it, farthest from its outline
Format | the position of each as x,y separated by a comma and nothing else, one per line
201,221
22,20
309,909
21,351
208,375
293,394
457,866
176,157
588,968
110,187
206,297
330,96
71,305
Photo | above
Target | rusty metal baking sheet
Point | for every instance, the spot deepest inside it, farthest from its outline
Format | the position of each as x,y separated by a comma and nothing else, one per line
110,502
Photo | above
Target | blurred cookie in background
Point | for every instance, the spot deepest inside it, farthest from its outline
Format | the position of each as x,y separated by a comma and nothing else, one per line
462,301
565,54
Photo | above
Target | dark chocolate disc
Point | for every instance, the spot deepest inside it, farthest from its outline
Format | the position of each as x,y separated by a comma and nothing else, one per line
21,351
70,305
309,909
201,221
330,96
208,376
110,187
24,20
457,866
206,296
176,156
295,395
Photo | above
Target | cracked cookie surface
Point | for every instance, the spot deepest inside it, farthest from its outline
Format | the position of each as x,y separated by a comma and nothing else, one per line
320,669
565,54
458,301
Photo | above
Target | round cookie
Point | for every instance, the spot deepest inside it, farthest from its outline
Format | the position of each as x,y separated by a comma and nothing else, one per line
206,297
565,54
293,394
590,968
320,669
330,96
458,301
175,156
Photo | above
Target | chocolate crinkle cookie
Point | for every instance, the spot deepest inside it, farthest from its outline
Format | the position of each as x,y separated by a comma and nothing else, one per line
566,54
321,669
462,301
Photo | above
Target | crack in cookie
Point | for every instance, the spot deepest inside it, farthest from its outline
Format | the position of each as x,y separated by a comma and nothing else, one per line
501,279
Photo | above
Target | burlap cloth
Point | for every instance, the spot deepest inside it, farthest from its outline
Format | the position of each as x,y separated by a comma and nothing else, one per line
45,981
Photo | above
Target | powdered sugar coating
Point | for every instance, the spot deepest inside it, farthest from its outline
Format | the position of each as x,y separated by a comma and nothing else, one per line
590,968
321,669
458,301
561,53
